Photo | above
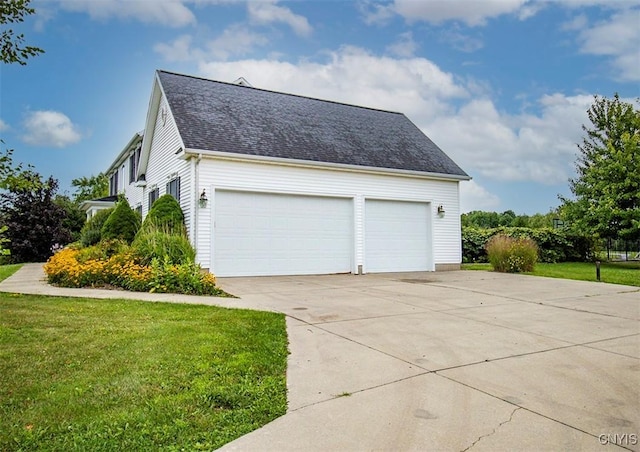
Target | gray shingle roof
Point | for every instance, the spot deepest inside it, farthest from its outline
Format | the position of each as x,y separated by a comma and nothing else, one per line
231,118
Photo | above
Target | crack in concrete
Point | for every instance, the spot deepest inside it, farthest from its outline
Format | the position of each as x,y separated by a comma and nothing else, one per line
494,430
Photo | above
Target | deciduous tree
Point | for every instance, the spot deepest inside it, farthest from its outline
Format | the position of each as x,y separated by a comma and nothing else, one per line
12,48
607,185
92,187
33,220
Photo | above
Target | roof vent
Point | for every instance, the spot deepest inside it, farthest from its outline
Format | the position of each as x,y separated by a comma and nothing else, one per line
242,82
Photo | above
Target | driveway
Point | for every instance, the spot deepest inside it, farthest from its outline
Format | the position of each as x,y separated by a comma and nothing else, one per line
453,361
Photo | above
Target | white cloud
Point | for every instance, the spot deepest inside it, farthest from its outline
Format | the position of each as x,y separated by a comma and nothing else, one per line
414,86
471,12
475,197
3,126
404,47
179,50
50,128
266,12
172,13
578,23
375,13
457,114
460,41
536,147
613,4
235,40
619,38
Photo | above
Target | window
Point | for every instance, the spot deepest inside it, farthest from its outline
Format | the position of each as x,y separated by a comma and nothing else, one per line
173,188
134,163
113,184
139,209
153,195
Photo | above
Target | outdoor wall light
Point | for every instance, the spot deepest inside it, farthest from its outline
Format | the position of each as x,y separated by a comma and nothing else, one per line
441,210
203,199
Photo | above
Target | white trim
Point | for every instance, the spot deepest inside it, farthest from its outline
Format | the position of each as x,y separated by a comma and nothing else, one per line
132,145
323,165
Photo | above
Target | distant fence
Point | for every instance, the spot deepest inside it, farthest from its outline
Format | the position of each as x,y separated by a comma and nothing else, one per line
620,250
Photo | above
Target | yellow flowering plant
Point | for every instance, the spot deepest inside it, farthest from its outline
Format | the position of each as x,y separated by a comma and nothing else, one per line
94,268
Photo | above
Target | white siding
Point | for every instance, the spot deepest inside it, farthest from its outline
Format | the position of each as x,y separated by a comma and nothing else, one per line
249,176
164,164
134,194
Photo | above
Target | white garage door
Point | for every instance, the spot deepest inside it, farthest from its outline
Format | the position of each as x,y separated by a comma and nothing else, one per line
273,234
396,236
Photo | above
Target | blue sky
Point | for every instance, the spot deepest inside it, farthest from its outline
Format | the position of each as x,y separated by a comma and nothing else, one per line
501,86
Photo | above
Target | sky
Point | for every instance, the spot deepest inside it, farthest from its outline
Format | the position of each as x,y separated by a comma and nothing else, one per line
502,86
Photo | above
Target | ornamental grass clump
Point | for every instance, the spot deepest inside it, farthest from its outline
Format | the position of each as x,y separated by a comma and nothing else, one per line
164,244
512,255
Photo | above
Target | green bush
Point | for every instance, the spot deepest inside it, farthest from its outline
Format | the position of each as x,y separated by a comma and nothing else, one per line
553,245
474,241
165,214
161,243
91,232
512,255
123,223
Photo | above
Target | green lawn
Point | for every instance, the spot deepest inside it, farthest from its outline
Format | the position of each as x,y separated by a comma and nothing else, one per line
8,270
610,272
86,374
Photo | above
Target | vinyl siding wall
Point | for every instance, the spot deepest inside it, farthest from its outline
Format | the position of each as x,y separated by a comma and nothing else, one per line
134,194
250,176
165,165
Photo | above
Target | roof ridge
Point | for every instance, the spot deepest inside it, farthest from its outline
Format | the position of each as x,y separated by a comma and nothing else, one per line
278,92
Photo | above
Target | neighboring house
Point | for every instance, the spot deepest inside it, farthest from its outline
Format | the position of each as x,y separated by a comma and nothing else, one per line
279,184
93,206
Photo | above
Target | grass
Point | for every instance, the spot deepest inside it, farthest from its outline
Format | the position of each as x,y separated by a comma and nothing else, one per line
103,375
8,270
627,273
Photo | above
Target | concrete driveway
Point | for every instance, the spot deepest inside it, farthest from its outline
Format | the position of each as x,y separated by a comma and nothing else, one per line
453,361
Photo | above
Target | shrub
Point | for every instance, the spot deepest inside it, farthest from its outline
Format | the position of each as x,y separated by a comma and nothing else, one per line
165,214
34,222
103,250
160,243
474,241
182,278
512,255
91,232
123,223
553,245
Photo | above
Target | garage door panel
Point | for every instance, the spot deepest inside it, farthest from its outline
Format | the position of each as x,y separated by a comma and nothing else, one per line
274,234
396,236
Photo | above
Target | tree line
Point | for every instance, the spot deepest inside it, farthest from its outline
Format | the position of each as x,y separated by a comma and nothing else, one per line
489,220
